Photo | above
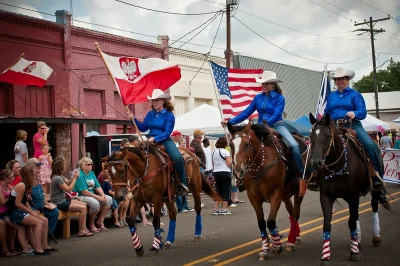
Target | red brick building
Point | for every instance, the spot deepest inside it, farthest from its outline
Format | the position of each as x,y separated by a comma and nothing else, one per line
74,101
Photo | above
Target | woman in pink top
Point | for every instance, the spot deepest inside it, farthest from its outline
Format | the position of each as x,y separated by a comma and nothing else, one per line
40,138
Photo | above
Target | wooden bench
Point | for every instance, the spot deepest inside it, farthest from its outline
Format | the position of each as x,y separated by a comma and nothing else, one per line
66,217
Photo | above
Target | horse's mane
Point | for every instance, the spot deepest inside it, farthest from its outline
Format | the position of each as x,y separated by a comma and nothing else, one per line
136,150
260,130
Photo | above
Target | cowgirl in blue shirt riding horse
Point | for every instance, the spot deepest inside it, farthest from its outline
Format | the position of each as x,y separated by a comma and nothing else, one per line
270,105
346,103
161,121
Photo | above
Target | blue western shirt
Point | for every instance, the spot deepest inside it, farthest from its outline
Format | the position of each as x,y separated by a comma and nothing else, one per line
340,103
160,124
269,107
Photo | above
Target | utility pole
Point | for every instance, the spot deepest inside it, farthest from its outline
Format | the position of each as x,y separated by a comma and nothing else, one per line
228,52
372,33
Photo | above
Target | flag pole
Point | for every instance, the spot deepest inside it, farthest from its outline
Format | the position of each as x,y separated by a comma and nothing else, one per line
115,83
15,62
218,97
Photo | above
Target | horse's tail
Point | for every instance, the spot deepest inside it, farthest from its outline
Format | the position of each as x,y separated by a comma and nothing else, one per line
208,189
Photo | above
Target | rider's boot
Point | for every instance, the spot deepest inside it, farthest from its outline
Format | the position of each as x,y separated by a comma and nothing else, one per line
377,183
183,190
313,182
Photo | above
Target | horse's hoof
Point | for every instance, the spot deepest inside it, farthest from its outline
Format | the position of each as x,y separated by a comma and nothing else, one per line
376,241
355,257
154,251
359,246
289,247
197,238
324,262
278,250
168,245
298,240
280,236
263,256
140,251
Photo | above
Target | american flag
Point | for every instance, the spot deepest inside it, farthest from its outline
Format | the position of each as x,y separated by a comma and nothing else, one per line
237,88
323,96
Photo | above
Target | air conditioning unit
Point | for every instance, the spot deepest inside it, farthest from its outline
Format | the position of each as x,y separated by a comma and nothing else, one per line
232,2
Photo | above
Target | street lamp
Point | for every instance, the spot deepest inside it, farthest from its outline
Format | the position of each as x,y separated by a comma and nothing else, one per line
390,60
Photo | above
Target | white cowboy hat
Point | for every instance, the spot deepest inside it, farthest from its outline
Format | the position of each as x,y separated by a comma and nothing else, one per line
268,77
159,94
341,72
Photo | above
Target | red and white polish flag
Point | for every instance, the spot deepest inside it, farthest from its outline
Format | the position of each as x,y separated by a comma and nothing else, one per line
136,78
26,72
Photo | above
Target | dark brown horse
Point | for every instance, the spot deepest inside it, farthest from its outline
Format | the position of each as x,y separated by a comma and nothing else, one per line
153,181
342,172
259,154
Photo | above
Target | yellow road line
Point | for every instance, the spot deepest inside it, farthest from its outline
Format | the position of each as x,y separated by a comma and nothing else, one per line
284,240
257,240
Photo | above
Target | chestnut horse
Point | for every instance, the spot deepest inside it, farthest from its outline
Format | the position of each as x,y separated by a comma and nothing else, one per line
342,172
258,153
154,181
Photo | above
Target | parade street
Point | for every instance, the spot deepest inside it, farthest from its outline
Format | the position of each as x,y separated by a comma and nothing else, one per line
235,239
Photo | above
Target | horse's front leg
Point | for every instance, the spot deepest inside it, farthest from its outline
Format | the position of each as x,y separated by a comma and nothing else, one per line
257,205
157,242
327,206
172,224
294,227
353,209
134,210
271,222
376,238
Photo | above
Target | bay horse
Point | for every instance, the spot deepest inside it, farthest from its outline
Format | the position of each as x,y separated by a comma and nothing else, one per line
267,178
342,172
153,181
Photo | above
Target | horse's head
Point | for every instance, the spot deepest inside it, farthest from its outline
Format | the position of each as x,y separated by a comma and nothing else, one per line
240,145
321,139
118,170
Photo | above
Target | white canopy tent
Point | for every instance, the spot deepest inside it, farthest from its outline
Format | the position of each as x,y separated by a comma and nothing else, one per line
205,117
370,123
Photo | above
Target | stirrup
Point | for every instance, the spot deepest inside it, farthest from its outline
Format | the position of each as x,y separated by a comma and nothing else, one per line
183,190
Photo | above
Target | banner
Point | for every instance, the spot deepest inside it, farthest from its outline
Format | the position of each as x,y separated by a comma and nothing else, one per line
391,162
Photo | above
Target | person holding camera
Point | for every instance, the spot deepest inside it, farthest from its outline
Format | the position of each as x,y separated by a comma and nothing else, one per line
40,138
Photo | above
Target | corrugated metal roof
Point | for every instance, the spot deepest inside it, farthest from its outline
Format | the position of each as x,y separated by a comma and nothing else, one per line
301,86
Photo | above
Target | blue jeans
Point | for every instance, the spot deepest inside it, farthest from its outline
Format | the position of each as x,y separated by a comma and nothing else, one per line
181,203
291,143
38,203
370,146
176,156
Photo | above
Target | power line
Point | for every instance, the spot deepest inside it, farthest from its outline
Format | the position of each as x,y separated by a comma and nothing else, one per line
205,59
167,12
388,53
28,9
343,9
330,10
305,32
84,82
312,60
390,36
386,13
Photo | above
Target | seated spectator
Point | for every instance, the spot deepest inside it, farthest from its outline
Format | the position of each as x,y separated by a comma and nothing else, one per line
20,149
59,184
15,167
20,213
108,190
38,201
6,229
134,141
90,192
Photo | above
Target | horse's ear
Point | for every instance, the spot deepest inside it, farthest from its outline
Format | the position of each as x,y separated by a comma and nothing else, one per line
327,119
313,120
248,126
105,159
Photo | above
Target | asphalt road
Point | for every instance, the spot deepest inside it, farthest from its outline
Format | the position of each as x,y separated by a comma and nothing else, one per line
234,239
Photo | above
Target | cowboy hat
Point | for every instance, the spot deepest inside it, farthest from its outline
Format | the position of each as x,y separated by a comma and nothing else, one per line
341,72
159,94
268,77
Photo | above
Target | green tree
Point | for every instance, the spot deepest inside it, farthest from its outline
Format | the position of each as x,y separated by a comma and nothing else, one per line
388,80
